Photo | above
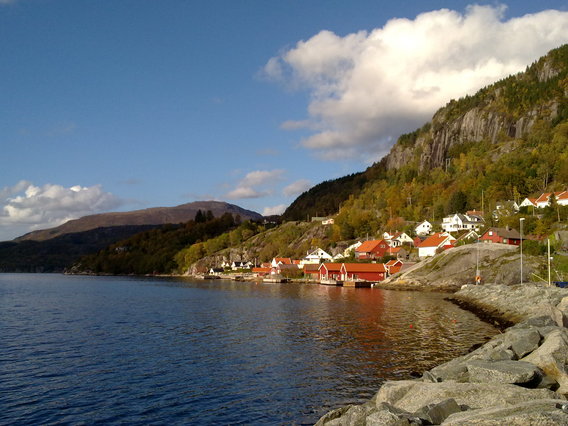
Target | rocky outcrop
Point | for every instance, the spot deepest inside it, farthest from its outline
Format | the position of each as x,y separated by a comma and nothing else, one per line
451,269
519,377
482,117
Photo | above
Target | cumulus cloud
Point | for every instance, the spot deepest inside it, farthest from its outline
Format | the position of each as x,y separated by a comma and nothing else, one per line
367,88
35,207
296,188
255,184
276,210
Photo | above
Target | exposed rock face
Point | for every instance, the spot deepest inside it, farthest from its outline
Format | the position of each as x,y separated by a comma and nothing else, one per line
487,119
517,378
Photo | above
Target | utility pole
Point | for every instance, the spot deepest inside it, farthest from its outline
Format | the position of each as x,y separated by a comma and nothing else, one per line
521,220
549,259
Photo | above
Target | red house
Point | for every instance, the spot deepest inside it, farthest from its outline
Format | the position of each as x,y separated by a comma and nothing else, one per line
502,236
393,266
330,271
261,272
372,249
311,271
363,272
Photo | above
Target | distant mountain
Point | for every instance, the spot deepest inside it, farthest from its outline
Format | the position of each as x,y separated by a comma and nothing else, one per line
151,216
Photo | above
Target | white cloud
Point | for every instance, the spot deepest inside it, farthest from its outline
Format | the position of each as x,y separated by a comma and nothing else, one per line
247,186
34,207
276,210
242,192
296,188
367,88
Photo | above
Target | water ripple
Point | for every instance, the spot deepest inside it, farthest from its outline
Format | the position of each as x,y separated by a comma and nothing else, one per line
130,350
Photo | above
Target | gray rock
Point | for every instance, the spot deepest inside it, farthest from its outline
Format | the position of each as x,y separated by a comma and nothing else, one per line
547,383
539,412
545,331
436,413
411,396
540,321
502,355
355,415
516,372
559,316
552,357
385,418
453,370
332,415
563,305
523,341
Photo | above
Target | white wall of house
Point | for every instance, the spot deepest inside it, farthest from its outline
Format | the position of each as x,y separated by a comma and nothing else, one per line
423,229
427,251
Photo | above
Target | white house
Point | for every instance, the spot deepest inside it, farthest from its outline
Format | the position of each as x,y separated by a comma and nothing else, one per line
329,221
317,256
528,202
241,265
430,245
544,200
397,239
459,222
423,228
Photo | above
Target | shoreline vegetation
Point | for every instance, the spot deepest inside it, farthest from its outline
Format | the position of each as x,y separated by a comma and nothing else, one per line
519,377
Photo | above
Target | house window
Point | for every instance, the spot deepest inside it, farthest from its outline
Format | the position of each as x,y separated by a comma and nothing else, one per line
490,233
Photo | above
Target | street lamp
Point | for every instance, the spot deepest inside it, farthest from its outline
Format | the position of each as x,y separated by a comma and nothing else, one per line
521,220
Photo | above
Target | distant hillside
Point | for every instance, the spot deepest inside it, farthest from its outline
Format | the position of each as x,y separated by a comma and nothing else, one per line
518,123
59,253
152,216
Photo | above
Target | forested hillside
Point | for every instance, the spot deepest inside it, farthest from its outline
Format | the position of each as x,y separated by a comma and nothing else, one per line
153,252
506,142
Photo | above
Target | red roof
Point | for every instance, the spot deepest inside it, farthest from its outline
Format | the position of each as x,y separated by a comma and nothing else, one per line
364,267
311,267
261,270
435,240
393,262
370,246
284,260
331,267
545,196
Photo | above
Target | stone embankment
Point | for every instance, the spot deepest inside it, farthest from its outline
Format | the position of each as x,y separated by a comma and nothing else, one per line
520,377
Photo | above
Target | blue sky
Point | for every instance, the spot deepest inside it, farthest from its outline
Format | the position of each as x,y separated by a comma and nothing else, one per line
128,104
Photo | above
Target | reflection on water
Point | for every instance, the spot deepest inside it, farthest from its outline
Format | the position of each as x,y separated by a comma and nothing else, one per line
108,349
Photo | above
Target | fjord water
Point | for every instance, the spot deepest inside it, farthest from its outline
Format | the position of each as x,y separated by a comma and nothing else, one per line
78,349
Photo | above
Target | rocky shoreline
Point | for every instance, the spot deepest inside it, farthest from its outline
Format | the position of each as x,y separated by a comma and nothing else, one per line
519,377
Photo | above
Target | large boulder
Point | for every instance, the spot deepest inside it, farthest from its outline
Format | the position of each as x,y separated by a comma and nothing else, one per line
515,372
552,357
546,412
523,341
412,395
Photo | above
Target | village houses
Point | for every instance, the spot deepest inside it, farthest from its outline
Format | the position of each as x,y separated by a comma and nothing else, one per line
459,222
439,240
544,200
502,236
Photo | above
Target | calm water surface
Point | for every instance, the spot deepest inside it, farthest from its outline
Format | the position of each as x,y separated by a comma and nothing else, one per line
171,351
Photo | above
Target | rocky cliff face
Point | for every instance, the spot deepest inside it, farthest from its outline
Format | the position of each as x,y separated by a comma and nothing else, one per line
487,119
